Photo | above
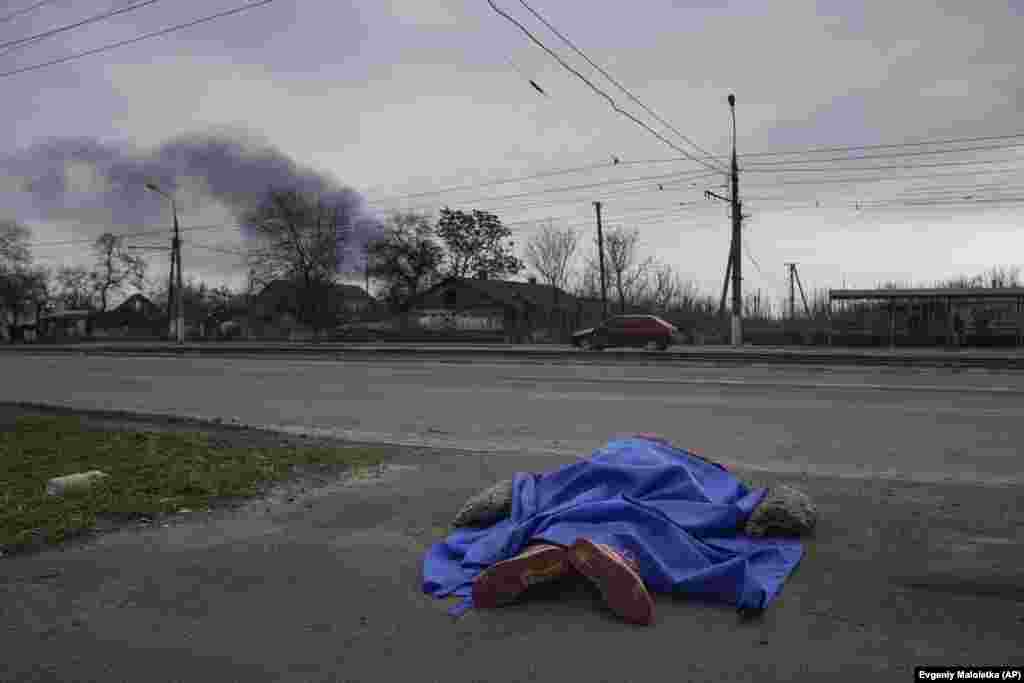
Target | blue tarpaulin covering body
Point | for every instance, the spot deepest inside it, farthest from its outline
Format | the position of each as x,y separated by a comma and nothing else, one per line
679,516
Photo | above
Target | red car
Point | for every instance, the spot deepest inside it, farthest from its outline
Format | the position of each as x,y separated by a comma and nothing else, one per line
646,331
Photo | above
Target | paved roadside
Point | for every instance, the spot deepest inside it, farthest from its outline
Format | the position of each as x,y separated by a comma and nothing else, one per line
994,359
324,585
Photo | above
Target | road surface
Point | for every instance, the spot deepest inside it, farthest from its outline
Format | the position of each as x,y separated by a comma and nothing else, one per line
326,585
922,426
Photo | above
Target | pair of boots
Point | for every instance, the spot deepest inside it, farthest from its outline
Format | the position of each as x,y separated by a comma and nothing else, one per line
615,575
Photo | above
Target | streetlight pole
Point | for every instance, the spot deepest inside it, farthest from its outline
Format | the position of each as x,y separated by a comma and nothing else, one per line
737,218
175,263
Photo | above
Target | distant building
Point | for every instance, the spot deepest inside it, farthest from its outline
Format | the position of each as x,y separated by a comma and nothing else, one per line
517,312
136,317
275,310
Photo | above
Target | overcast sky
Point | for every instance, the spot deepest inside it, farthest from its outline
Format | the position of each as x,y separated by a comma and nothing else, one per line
411,96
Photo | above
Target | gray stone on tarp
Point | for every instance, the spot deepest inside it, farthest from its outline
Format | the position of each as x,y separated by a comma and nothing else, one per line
487,507
74,483
785,511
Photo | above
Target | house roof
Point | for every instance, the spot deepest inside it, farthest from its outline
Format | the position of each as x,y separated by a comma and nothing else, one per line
517,294
284,288
126,304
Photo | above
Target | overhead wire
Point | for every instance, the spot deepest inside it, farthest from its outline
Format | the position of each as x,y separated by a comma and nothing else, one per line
854,148
665,178
130,41
161,231
606,165
944,164
600,92
617,84
25,10
929,152
20,42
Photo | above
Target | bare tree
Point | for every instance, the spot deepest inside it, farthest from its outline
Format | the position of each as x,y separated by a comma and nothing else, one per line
21,285
625,269
73,288
300,239
14,248
115,268
407,258
1003,276
550,252
666,287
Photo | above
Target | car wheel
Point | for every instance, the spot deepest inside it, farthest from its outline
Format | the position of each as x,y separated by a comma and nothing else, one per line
663,346
652,346
587,344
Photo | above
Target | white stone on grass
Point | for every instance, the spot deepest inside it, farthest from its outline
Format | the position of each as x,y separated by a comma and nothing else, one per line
73,483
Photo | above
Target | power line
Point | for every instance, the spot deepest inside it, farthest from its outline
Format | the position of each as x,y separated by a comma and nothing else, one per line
886,178
599,91
617,84
667,160
17,13
922,143
137,39
763,164
459,188
161,231
879,168
687,175
11,44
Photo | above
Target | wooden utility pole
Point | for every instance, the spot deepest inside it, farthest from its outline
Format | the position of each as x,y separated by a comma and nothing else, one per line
796,275
600,258
791,269
725,284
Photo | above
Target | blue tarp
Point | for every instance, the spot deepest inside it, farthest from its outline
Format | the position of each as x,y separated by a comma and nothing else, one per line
678,515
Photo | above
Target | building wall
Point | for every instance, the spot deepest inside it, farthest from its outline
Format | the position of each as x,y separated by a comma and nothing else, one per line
482,318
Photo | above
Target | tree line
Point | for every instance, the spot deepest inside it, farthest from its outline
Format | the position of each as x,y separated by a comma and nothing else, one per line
297,237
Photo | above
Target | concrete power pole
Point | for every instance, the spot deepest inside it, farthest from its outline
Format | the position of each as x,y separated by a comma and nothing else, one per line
600,258
737,220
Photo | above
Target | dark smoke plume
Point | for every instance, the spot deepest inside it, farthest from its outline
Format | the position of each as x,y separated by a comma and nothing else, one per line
96,183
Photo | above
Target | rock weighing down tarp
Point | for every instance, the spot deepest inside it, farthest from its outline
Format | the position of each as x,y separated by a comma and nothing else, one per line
679,515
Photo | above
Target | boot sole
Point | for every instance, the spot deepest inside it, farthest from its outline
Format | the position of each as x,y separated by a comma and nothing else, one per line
622,588
505,581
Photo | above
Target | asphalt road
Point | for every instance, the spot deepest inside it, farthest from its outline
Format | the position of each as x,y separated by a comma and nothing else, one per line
325,586
923,426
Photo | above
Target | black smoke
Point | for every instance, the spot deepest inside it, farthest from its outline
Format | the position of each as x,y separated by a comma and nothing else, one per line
94,183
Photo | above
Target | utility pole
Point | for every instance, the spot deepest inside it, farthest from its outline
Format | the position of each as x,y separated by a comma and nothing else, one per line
181,291
600,257
807,308
170,293
725,284
791,269
175,262
737,219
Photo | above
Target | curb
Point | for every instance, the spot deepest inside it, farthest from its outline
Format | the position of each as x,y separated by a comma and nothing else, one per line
468,354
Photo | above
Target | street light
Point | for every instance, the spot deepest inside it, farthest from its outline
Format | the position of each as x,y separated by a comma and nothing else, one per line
175,260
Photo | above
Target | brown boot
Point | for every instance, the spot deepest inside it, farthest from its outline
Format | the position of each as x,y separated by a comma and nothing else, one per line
617,577
503,582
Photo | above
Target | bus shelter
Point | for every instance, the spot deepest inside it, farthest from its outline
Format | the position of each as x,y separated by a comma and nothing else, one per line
934,315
